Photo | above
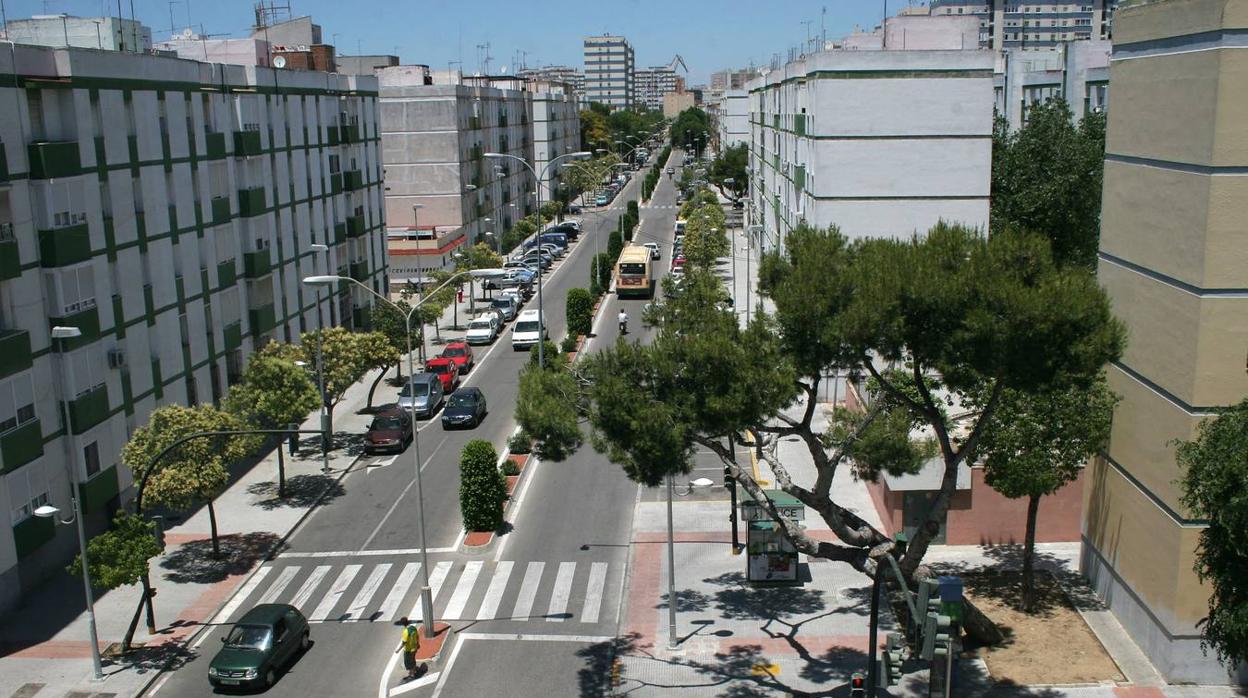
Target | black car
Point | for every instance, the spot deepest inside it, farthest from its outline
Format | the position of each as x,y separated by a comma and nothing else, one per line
568,229
261,643
465,408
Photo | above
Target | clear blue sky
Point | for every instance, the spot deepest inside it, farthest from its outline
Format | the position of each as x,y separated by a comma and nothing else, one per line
708,34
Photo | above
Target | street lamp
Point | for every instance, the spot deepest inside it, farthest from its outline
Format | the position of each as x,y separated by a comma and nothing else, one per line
320,366
579,155
426,596
415,220
46,511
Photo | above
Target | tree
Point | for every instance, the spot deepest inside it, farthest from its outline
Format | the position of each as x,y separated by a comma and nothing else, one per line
348,356
1046,178
579,311
600,273
595,133
587,175
732,163
615,245
1038,442
478,256
1215,472
391,322
482,487
691,129
118,557
273,392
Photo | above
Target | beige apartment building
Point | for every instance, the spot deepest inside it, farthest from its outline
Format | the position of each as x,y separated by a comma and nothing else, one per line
1174,258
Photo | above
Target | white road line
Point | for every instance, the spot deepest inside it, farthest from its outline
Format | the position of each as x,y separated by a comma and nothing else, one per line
436,578
334,595
563,590
356,610
367,553
529,637
283,581
309,586
450,662
463,589
593,596
241,595
514,512
397,592
415,683
494,593
528,591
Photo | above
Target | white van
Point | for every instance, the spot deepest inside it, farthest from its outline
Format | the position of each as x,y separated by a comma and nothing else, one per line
527,330
680,227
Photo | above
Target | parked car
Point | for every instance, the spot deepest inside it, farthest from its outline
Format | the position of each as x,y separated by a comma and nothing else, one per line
522,287
465,408
528,330
446,370
461,354
536,257
507,306
654,249
424,390
557,238
602,200
391,430
671,170
482,329
266,639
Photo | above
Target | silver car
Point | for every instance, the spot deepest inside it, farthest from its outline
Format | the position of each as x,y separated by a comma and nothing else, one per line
425,390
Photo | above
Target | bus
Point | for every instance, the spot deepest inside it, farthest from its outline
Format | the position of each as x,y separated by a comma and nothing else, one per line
634,273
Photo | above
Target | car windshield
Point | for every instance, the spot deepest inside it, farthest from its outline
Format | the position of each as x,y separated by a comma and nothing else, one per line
453,351
633,269
463,400
501,303
387,423
479,325
251,637
439,368
527,326
420,389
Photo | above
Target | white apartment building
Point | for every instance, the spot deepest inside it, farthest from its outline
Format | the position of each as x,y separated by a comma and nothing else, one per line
61,31
573,77
652,84
609,72
732,120
877,142
1034,25
165,208
1076,71
556,131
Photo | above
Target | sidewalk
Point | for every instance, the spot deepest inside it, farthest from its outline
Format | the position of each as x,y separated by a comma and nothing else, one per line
44,650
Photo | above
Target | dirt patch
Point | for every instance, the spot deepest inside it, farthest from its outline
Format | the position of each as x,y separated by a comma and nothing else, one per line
1050,646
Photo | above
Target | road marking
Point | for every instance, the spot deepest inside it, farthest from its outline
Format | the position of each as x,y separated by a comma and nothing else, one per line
530,637
357,553
450,661
398,591
534,462
334,595
593,596
463,589
494,593
356,610
563,589
309,585
528,590
241,595
283,581
436,579
415,683
380,463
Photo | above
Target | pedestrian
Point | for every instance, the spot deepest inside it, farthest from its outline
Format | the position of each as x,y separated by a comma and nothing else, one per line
409,645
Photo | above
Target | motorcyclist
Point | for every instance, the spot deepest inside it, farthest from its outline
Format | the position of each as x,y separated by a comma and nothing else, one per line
623,317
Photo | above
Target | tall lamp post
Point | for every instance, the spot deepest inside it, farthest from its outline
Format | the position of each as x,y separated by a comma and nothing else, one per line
426,596
320,366
415,221
64,334
537,190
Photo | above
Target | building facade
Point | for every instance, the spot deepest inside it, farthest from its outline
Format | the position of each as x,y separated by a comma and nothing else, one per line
61,31
733,118
169,219
877,142
556,132
610,72
1077,72
573,77
1174,259
1033,24
652,84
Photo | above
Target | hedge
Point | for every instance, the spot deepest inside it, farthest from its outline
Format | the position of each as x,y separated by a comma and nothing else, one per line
482,487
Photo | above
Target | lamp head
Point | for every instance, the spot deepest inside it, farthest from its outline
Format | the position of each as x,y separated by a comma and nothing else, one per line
46,511
495,155
60,332
323,280
318,247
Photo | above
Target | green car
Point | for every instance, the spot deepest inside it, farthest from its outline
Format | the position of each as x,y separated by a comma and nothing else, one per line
265,639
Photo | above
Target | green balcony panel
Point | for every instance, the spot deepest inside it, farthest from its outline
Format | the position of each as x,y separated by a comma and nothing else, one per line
54,159
221,209
350,133
227,274
96,492
340,233
355,226
335,183
799,177
132,148
10,263
14,352
331,135
63,246
359,271
352,180
362,318
4,164
89,409
233,336
257,264
247,143
32,533
251,201
262,319
20,446
215,144
179,288
87,321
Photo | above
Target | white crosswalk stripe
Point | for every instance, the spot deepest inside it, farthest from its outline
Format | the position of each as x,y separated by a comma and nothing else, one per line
593,595
356,610
334,595
494,594
391,605
242,594
563,589
436,578
283,581
309,586
459,598
528,590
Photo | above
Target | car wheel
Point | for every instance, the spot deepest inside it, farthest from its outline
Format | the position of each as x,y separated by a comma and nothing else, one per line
305,641
270,678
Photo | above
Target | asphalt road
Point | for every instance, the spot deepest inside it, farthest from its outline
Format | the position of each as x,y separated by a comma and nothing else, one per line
352,566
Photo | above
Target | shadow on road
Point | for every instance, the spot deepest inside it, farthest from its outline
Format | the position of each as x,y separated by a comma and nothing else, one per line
193,562
302,491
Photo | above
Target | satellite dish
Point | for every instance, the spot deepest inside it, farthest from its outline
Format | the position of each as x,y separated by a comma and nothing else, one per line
279,62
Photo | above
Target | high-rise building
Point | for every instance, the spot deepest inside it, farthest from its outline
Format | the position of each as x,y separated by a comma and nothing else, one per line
166,210
723,80
609,72
652,84
1033,24
61,31
1077,72
1173,249
572,77
556,130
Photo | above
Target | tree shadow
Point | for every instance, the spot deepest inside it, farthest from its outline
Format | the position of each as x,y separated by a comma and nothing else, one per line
164,656
302,491
1005,587
594,679
687,601
193,562
739,601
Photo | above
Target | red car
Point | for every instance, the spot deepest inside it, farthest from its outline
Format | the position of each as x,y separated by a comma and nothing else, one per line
461,354
446,370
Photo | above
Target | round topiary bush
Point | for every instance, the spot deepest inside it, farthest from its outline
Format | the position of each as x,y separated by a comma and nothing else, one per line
579,311
482,487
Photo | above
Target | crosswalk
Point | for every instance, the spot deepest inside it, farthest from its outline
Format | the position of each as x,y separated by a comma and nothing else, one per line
568,591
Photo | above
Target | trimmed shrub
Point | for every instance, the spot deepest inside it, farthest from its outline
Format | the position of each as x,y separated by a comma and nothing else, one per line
569,344
604,263
510,469
615,245
482,488
519,444
579,311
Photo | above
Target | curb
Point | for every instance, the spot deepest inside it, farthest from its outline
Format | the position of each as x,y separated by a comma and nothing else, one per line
530,461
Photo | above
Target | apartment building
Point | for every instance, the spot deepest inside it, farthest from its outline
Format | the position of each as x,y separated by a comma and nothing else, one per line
1174,259
1039,25
67,31
609,72
573,77
652,84
556,131
165,209
724,80
732,118
1077,72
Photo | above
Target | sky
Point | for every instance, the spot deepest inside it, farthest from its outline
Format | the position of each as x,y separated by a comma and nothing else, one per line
709,35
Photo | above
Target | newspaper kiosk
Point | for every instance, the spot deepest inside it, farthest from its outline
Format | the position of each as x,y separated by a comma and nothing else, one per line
770,557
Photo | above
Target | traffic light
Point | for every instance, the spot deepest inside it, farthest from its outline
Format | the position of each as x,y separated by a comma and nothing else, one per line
892,658
729,481
857,685
936,636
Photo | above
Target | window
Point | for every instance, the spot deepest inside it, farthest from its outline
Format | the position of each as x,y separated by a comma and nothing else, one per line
17,402
71,289
91,458
86,369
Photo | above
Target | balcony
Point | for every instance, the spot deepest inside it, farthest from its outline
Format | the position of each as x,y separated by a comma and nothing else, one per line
10,262
20,446
96,492
256,264
358,270
221,209
247,143
355,226
262,319
362,318
215,145
227,274
331,135
340,233
233,335
251,201
799,177
799,124
335,183
54,159
31,534
350,133
87,321
88,409
14,352
352,180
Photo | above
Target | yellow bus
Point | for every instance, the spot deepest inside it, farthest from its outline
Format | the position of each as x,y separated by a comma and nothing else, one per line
634,273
